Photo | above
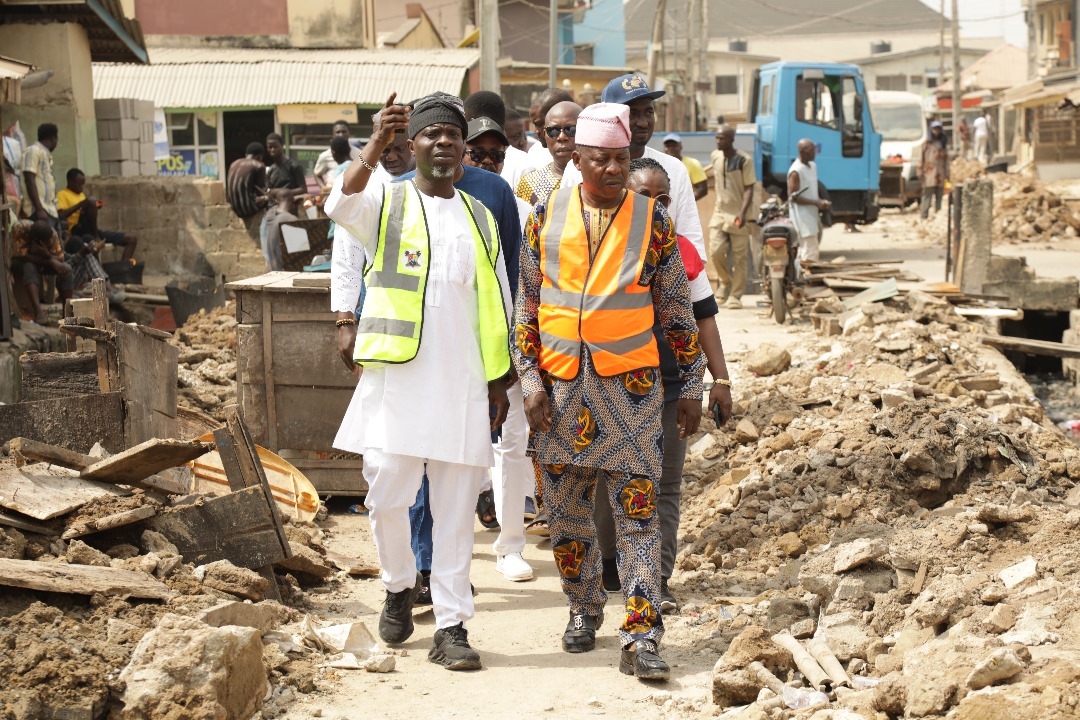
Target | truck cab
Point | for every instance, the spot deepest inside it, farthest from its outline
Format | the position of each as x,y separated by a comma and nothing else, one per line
827,103
900,119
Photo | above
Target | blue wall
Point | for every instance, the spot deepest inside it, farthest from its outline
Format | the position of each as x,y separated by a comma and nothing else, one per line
604,25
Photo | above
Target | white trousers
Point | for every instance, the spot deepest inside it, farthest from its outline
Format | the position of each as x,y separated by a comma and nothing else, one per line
393,481
808,248
513,477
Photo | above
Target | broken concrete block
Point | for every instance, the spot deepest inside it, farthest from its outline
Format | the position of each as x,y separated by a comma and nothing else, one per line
12,544
746,431
183,668
791,544
79,553
858,552
898,394
1021,572
845,635
155,542
733,686
307,561
379,664
226,577
264,616
1001,618
1002,664
702,444
767,359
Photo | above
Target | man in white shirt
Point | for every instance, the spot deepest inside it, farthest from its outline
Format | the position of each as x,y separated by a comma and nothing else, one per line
538,111
325,163
433,343
981,127
633,91
804,209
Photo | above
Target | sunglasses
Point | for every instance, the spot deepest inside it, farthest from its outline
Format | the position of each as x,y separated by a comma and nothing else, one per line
556,130
478,155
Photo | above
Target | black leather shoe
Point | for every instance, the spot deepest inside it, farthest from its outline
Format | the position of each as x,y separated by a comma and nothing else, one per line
424,596
669,605
610,575
580,635
642,660
452,649
396,623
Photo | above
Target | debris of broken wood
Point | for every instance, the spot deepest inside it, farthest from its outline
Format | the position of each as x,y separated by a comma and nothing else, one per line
44,493
109,522
134,465
81,579
1031,347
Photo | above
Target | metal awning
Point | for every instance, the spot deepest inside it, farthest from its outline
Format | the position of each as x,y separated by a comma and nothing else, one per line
11,74
113,36
265,77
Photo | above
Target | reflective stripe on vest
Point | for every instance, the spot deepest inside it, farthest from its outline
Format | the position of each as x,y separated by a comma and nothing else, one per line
391,322
595,301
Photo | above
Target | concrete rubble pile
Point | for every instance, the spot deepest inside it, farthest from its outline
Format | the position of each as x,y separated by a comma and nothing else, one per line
207,364
889,528
1025,210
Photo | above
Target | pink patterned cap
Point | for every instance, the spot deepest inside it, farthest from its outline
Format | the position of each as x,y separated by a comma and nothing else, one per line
604,125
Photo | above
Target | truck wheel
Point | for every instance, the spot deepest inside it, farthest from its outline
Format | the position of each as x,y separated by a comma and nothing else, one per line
779,302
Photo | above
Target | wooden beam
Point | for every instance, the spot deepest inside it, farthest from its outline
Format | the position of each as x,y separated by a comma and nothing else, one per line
23,522
75,422
54,375
109,522
81,579
25,449
136,464
1031,347
237,527
106,354
35,491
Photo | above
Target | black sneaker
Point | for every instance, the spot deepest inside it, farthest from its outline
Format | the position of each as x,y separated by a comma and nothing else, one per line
580,634
452,649
396,623
610,575
668,604
424,596
642,660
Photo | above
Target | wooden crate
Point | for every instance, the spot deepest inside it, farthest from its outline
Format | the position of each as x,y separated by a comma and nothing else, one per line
292,389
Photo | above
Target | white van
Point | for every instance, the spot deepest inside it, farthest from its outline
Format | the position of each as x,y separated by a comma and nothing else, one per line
900,119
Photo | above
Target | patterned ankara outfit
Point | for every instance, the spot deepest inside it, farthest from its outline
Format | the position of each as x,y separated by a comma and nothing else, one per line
537,185
607,423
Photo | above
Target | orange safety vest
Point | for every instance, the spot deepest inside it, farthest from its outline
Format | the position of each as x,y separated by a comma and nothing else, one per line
599,302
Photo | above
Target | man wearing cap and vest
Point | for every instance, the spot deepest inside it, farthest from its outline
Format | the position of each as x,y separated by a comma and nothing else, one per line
432,340
598,267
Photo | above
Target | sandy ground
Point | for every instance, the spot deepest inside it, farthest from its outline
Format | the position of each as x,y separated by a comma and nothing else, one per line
518,626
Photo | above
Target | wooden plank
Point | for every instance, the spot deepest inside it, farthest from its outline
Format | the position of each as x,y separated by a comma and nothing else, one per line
306,317
41,493
76,423
25,449
987,312
106,355
307,369
237,527
1031,347
145,459
246,461
309,417
874,293
22,522
109,522
268,373
320,280
81,579
54,375
147,377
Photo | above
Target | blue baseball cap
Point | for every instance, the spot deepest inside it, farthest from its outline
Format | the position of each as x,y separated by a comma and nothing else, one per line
627,88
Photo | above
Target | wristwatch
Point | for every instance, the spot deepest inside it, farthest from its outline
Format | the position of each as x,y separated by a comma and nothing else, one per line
722,381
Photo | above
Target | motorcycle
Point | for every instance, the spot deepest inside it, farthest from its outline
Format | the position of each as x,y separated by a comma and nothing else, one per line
779,253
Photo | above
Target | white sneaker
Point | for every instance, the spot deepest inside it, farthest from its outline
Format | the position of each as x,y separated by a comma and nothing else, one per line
513,567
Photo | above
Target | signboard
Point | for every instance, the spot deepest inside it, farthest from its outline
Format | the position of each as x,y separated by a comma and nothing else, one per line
179,162
208,164
161,135
315,114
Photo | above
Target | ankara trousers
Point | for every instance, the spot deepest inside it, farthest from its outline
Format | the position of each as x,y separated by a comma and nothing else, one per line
569,492
667,504
393,481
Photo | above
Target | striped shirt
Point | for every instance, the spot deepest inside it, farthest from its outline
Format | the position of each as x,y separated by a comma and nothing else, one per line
245,182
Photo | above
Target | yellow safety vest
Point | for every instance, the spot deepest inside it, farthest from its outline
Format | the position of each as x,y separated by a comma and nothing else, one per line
392,319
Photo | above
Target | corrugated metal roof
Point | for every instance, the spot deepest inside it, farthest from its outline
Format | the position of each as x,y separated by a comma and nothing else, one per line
253,77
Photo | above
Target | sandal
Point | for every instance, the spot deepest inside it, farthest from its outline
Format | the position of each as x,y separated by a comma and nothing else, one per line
539,526
485,510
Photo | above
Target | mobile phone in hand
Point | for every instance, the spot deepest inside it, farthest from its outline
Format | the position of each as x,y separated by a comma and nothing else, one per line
717,414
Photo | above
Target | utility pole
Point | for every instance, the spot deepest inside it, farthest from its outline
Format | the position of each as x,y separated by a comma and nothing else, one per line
488,20
941,46
706,66
657,40
553,44
693,64
956,89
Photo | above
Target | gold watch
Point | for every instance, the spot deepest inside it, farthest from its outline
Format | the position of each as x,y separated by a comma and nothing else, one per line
722,381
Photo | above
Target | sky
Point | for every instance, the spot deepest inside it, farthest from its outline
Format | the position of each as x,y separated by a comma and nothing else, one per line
989,18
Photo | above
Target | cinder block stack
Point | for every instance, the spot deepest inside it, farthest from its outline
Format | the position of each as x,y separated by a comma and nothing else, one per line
125,137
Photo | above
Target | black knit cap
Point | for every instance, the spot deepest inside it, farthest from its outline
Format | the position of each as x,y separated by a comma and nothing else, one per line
439,107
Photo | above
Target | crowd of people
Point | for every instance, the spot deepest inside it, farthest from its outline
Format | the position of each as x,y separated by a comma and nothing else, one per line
531,324
57,234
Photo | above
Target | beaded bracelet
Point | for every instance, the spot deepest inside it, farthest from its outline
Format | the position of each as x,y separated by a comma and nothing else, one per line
345,321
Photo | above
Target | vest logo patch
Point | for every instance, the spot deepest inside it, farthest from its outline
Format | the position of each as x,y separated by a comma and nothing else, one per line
412,258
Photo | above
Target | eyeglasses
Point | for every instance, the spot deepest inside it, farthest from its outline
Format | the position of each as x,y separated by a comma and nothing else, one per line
555,131
662,198
478,155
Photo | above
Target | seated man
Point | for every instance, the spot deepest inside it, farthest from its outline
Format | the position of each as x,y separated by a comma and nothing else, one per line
80,212
37,252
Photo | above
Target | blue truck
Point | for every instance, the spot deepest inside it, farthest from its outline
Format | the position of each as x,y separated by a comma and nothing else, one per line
827,103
